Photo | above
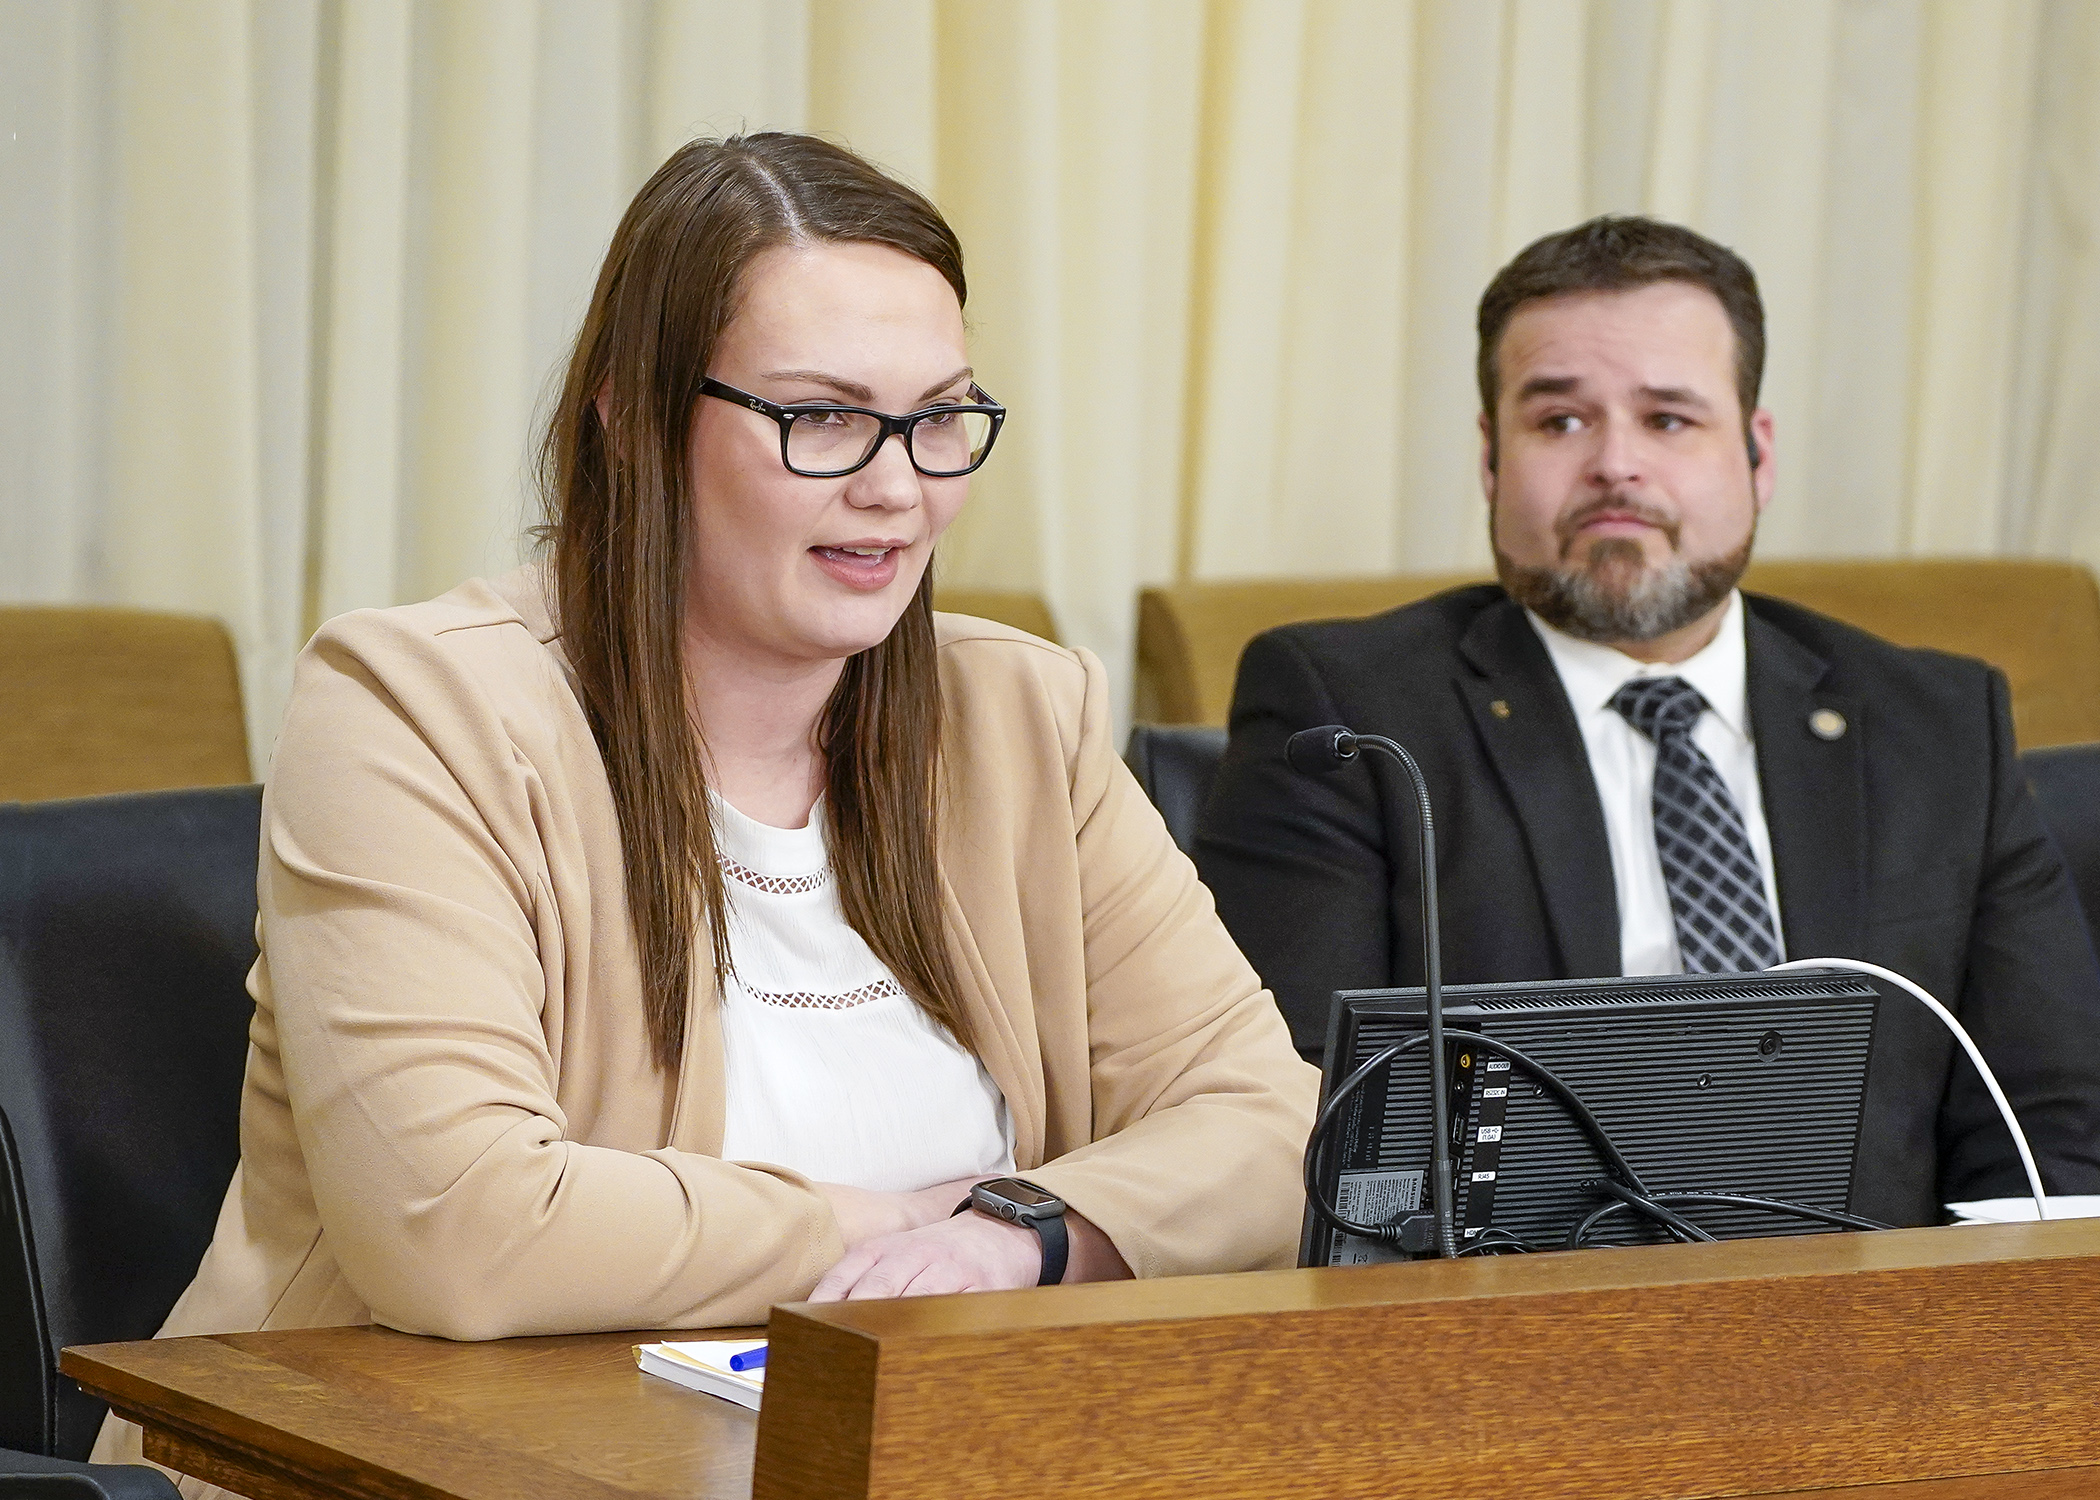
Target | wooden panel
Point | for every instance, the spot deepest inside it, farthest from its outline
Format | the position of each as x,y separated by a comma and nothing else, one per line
116,700
820,1427
1007,607
366,1412
1752,1367
2038,622
230,1467
1190,635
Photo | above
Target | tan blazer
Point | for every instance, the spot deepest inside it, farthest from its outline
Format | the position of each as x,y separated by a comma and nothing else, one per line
451,1124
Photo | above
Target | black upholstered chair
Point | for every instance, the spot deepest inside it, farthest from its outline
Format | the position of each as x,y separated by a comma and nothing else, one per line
127,926
1175,764
2066,782
24,1476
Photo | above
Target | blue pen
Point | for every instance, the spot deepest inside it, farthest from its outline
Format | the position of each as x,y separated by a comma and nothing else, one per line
750,1359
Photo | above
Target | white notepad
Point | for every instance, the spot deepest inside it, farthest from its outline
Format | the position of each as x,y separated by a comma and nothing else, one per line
704,1366
2021,1210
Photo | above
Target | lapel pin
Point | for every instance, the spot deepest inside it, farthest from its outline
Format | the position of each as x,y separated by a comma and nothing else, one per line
1827,724
1499,708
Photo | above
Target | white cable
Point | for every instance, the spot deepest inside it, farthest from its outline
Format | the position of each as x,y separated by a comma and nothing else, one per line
1990,1079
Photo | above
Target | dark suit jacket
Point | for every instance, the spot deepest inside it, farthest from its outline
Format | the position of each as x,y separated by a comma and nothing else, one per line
1910,841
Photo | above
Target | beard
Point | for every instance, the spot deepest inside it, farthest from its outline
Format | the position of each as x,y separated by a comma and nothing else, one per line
1611,594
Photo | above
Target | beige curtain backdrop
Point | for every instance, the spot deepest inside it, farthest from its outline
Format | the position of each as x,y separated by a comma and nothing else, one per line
282,282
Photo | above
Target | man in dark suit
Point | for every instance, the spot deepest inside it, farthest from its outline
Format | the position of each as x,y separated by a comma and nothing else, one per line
1637,769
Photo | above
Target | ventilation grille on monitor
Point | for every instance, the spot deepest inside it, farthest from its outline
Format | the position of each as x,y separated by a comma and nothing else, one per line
1817,987
1775,1115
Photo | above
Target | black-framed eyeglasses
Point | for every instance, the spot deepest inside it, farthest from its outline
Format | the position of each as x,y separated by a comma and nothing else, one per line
823,440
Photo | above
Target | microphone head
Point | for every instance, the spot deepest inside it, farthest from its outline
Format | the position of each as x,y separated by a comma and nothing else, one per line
1318,751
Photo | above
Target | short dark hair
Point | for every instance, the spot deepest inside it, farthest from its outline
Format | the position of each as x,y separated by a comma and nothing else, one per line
1621,253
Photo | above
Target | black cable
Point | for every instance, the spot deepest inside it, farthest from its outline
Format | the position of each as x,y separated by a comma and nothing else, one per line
1677,1228
1646,1204
1627,1192
1384,1234
1499,1242
1733,1200
1774,1205
1608,1154
1595,1217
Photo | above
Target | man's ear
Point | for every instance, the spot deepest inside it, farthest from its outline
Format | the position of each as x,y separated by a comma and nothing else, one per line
1488,457
1764,472
603,401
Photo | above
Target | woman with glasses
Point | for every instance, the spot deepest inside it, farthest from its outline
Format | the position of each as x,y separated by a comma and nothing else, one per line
693,920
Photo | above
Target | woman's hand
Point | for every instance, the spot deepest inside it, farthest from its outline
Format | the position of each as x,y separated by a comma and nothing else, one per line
971,1252
865,1215
967,1253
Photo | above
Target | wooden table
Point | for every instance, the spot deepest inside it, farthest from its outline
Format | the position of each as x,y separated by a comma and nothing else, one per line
1949,1351
367,1412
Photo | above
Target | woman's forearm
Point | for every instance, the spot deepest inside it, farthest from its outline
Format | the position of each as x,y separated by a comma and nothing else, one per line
1092,1256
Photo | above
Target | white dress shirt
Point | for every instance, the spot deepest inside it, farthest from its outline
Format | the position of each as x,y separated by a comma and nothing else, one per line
829,1067
1622,760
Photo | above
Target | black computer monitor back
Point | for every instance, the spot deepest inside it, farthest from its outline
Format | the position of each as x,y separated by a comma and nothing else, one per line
1738,1083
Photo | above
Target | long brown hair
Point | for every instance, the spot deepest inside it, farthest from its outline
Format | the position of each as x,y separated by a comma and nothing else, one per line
619,505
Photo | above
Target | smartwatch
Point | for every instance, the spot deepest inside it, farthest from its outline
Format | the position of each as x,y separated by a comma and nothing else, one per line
1024,1203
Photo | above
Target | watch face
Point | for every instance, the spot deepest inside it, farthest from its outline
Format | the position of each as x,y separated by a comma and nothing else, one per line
1016,1191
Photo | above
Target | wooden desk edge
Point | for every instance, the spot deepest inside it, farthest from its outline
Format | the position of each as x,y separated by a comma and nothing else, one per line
227,1408
1999,1484
189,1446
204,1435
912,1350
1338,1288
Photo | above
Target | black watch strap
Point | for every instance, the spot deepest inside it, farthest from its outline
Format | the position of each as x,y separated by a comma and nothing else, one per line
1057,1245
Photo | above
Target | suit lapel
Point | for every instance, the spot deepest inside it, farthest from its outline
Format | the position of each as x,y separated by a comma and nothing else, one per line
1521,714
1814,789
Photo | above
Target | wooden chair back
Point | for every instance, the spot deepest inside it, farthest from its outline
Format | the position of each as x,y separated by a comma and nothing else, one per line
2038,622
1023,611
116,700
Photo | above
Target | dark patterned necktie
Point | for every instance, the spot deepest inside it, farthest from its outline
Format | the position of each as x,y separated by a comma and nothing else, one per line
1717,893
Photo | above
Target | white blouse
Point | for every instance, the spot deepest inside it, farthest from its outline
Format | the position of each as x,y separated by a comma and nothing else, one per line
831,1068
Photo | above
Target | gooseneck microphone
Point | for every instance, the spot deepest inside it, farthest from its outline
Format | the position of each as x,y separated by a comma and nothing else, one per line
1329,748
